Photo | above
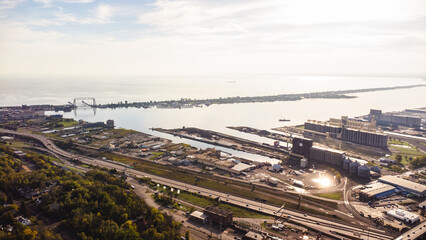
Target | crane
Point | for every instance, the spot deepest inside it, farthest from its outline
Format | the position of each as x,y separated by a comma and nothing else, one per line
279,212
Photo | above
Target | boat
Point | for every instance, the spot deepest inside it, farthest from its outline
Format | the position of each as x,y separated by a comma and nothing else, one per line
284,120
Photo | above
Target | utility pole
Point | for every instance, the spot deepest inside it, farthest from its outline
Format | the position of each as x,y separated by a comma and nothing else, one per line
211,229
300,198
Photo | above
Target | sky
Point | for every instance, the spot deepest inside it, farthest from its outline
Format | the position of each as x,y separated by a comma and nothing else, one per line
42,38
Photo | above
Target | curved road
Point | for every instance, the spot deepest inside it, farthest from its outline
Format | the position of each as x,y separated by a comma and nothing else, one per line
325,226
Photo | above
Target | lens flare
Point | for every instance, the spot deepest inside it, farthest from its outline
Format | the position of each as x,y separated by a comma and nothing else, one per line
322,181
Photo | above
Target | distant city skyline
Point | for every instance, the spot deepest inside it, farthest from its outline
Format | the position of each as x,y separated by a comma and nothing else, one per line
48,38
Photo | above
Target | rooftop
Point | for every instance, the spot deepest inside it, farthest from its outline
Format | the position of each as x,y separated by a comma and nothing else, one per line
328,149
253,235
402,214
240,167
376,188
398,181
199,215
218,211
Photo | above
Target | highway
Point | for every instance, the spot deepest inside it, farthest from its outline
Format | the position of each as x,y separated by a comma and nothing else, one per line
414,233
337,230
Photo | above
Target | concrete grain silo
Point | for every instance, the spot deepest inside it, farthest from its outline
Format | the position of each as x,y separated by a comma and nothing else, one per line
363,171
346,164
353,167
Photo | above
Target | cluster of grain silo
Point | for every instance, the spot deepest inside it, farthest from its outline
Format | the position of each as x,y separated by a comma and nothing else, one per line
356,168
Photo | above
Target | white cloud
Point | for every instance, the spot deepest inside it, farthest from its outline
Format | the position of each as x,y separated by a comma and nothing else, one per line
48,2
210,37
102,14
45,2
78,1
9,4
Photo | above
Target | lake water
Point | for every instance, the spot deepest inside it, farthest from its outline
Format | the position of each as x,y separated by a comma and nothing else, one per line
216,117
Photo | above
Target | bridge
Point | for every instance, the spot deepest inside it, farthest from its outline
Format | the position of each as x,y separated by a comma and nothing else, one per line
83,99
414,233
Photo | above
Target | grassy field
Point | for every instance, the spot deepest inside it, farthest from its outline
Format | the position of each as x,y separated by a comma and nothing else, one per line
118,158
333,195
194,199
156,155
404,149
119,132
68,122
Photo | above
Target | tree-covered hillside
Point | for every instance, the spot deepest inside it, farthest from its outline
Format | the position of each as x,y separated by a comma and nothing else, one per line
65,205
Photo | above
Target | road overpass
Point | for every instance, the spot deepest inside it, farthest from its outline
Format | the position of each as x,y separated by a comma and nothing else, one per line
335,229
417,232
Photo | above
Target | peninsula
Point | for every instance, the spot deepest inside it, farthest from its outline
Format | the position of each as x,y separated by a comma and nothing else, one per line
190,103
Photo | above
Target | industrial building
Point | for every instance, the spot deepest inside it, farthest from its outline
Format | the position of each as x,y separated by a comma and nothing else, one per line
198,216
403,215
406,186
349,130
303,149
302,146
327,155
364,137
110,123
242,167
376,191
387,160
398,119
253,236
422,205
322,127
219,216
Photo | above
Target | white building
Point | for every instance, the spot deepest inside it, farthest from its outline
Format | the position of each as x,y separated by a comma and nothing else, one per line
198,216
404,215
242,167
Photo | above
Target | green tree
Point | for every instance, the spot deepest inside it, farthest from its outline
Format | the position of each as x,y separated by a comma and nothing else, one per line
398,158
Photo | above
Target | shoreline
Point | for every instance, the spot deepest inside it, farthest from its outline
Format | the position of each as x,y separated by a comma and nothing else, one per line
192,103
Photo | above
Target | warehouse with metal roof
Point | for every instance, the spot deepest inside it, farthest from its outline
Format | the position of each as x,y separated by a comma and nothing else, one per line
416,189
376,191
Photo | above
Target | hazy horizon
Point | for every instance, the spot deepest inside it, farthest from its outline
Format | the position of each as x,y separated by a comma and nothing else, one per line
90,38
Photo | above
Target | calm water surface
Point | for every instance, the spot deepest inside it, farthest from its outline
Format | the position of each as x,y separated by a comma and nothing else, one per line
216,117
